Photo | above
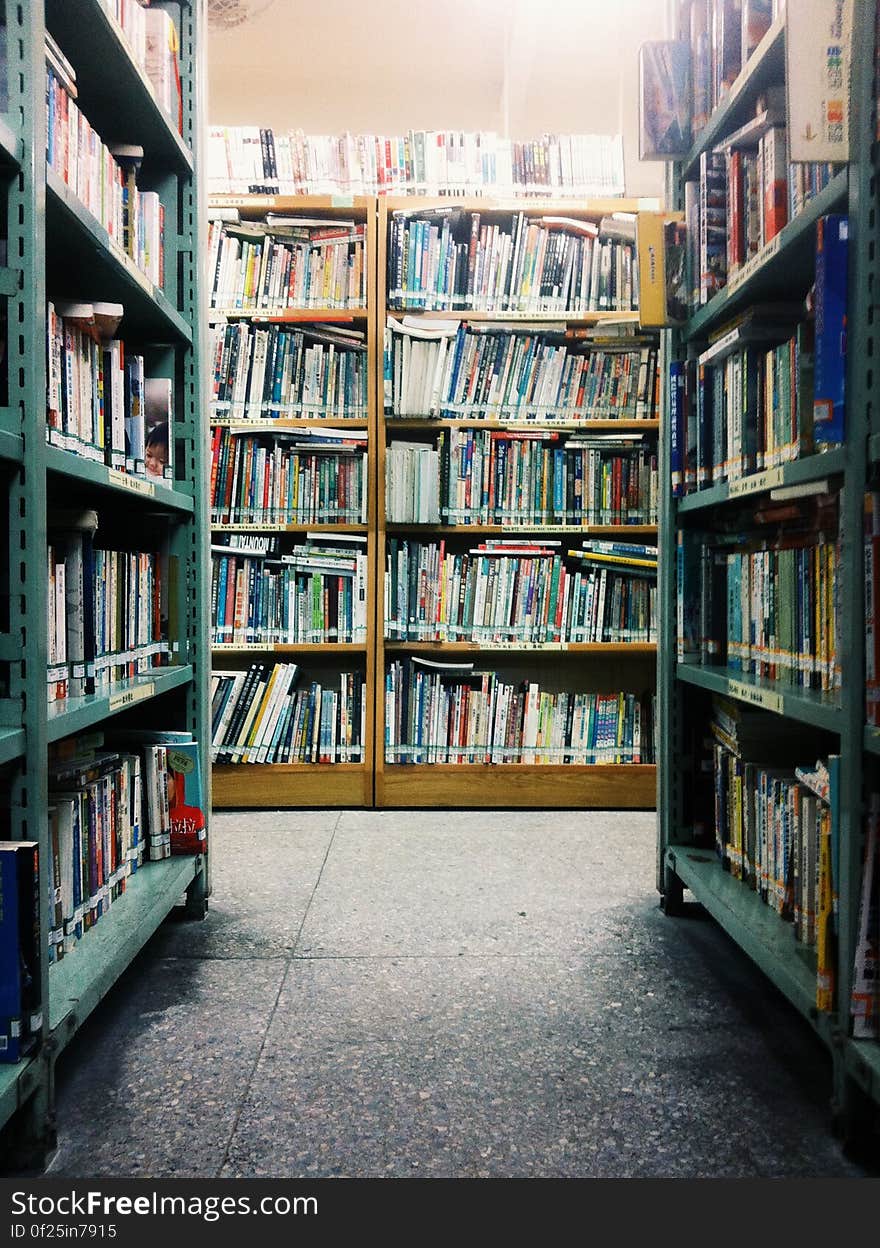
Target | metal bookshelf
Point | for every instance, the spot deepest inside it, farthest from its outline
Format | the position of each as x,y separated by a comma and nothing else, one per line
601,667
783,266
54,245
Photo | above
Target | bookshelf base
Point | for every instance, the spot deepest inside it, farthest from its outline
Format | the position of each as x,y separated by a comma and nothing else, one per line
79,981
758,930
275,785
520,786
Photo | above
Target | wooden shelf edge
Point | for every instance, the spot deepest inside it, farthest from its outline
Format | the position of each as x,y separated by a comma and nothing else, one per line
278,785
518,786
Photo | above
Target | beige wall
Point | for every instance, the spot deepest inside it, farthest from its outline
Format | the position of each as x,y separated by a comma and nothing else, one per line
384,66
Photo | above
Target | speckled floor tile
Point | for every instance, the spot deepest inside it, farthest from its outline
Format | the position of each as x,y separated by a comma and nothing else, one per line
151,1085
476,883
265,866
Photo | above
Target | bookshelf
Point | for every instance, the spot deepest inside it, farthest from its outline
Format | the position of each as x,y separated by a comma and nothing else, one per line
563,666
58,248
338,784
687,855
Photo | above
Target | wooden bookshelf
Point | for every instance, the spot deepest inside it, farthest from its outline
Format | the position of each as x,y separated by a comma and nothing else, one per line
261,785
523,786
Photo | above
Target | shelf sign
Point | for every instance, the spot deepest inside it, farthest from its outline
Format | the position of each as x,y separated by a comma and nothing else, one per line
756,697
126,481
128,696
755,483
818,47
341,201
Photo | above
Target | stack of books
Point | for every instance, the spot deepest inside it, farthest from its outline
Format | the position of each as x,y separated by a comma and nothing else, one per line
108,610
286,262
278,478
272,371
259,716
450,713
250,159
523,373
316,592
510,592
448,259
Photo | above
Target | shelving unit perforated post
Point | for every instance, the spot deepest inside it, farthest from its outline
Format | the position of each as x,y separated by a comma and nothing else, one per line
784,264
256,785
54,241
494,785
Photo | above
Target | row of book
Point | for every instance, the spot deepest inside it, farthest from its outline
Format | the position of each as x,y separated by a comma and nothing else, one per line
99,402
770,610
279,477
107,610
243,159
742,405
286,262
476,476
741,202
525,477
451,713
872,606
722,34
272,371
104,179
529,592
260,716
774,827
316,592
448,259
154,42
118,799
523,373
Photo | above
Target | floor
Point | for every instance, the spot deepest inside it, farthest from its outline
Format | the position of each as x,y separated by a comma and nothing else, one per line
443,994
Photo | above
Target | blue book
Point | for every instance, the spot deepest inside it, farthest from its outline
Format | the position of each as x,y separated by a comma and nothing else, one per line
676,404
20,949
829,378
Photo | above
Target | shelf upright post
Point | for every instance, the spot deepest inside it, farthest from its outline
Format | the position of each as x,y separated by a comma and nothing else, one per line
861,347
26,336
193,422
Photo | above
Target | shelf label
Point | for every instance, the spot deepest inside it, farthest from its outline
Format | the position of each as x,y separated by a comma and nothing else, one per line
756,697
128,696
241,201
341,201
748,270
126,482
755,483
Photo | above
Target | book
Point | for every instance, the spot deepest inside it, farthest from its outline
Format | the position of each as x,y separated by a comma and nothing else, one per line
664,99
829,380
865,995
664,290
159,429
21,953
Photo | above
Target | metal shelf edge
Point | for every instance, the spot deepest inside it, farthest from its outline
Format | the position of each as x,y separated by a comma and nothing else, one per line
76,714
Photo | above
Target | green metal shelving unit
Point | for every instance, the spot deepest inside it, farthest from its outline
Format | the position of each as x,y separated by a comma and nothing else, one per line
782,266
54,244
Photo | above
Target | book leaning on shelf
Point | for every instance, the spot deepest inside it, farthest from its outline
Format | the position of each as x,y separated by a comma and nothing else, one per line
276,371
154,43
110,611
523,372
448,259
100,404
118,800
451,713
250,159
260,716
278,477
21,950
512,591
315,592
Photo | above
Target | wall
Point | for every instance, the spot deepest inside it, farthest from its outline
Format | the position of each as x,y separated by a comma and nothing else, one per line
384,66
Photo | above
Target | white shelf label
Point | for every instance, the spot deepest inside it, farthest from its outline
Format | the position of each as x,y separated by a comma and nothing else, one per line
756,697
128,696
755,483
136,484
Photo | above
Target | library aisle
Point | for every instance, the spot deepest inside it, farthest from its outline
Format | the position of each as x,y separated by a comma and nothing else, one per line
403,993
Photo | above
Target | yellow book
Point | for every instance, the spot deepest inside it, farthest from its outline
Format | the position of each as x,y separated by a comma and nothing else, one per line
629,560
825,933
651,248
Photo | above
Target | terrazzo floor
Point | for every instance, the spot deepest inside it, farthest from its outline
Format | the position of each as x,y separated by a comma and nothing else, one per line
443,994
